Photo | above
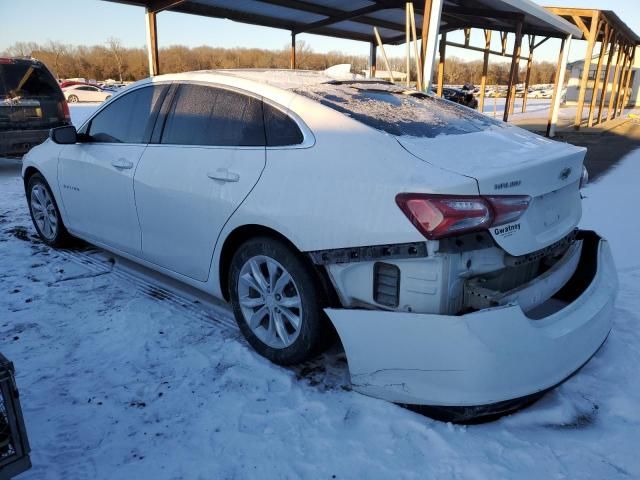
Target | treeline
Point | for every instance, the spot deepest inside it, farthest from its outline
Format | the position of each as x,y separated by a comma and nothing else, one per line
458,72
113,60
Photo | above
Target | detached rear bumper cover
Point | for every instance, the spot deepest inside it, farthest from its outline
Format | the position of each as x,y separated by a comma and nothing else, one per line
484,357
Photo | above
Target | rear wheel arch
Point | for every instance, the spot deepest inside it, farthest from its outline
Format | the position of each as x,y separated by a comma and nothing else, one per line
247,232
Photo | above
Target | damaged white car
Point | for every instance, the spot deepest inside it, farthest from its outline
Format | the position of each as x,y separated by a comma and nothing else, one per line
440,244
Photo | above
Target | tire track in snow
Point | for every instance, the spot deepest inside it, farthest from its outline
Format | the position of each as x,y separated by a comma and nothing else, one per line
328,371
177,301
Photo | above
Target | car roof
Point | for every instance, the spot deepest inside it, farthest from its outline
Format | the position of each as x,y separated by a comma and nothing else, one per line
19,60
284,79
275,84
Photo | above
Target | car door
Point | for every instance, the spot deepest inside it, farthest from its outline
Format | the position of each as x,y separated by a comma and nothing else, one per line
209,155
84,94
94,94
96,174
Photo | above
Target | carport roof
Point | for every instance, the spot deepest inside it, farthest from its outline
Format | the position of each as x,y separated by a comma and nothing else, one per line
354,19
582,17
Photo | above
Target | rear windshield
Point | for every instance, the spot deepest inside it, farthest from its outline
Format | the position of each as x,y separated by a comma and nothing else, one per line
27,80
397,111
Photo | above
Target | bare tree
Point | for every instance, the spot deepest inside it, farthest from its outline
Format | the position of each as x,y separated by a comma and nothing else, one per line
115,61
118,51
21,49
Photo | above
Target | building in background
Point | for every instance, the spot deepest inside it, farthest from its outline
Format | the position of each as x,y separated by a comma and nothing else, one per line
575,70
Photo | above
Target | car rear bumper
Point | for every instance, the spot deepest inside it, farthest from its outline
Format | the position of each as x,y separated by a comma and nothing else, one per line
15,143
482,358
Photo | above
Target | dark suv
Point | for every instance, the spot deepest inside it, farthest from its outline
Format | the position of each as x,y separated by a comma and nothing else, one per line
463,97
31,102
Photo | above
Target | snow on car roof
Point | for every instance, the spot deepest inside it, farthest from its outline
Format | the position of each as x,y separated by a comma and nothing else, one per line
397,110
285,79
281,78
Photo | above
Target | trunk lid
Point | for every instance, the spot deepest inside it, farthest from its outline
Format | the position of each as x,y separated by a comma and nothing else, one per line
506,160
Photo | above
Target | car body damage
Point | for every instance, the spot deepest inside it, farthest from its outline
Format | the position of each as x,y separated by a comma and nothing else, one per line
486,356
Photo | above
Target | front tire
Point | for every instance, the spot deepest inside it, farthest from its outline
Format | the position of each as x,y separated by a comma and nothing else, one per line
45,213
277,302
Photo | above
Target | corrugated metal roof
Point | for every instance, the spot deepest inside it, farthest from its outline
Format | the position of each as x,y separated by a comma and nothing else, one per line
354,19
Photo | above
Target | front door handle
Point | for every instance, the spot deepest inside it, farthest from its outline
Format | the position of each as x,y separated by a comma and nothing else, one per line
224,175
122,164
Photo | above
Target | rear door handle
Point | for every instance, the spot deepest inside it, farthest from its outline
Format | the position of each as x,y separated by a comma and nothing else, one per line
224,175
122,164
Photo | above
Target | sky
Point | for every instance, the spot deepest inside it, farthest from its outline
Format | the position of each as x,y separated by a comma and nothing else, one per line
91,22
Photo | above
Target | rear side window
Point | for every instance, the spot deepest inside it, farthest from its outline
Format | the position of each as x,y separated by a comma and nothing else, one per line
280,129
398,111
128,118
202,115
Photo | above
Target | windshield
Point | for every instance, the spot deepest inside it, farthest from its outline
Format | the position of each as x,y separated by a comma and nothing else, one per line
398,111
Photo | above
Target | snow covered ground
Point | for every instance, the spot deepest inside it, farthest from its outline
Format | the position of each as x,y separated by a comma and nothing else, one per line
81,111
124,378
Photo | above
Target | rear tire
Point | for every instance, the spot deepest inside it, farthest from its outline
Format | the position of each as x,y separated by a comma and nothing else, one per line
73,99
45,214
277,301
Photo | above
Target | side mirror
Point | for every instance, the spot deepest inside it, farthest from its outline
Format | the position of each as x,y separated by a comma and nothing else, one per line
64,135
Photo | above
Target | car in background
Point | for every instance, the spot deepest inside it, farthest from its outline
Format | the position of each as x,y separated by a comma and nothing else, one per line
463,97
86,93
542,93
442,245
70,83
31,103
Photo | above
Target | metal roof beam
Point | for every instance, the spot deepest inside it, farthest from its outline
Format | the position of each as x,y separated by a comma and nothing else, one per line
156,6
482,12
332,12
341,18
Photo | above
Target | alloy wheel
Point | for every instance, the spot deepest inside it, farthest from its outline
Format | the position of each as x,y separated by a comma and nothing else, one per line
44,211
270,301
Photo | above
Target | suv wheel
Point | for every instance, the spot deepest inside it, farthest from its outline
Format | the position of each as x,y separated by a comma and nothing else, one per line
45,213
276,301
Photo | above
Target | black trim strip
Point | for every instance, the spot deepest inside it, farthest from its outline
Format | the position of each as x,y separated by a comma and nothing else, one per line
370,253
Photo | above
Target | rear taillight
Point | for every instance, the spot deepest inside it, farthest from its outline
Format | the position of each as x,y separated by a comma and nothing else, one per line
64,107
508,208
439,216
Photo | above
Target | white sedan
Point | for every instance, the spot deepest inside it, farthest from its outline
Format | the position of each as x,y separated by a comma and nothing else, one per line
86,93
541,94
441,245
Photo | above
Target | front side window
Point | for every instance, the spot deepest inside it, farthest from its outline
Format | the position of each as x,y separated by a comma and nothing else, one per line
202,115
127,119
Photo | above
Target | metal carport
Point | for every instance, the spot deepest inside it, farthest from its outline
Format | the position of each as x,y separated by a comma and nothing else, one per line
354,20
